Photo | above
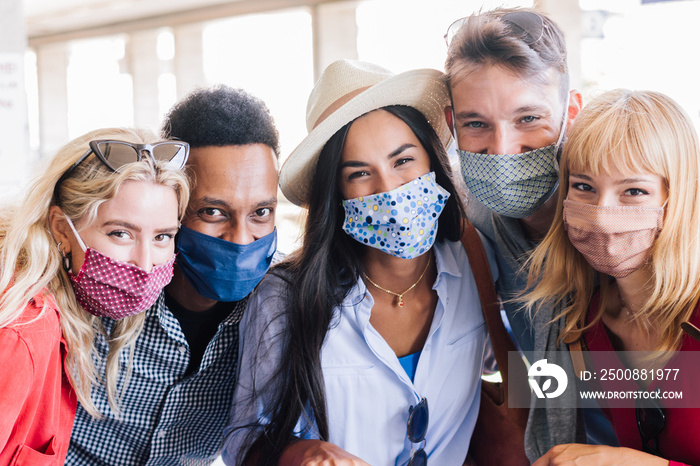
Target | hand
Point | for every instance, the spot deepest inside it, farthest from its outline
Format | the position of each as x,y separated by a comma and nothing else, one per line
595,455
317,453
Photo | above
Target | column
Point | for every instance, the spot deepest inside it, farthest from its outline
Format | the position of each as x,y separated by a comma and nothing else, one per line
335,33
567,14
144,67
14,150
188,61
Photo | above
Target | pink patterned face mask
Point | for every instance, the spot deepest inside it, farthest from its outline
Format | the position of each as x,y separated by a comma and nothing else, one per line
615,240
106,287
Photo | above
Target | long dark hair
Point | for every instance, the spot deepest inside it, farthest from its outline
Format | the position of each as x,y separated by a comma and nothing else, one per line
321,274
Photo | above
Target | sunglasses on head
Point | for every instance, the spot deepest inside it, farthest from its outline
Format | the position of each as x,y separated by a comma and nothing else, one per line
416,429
117,154
651,420
526,25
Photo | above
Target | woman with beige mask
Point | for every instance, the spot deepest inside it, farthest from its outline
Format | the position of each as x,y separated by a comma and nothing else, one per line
621,261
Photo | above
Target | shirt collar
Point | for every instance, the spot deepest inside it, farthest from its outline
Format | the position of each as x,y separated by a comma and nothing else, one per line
446,261
158,307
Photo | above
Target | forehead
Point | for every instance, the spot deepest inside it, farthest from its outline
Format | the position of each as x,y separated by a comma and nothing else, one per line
377,132
233,173
141,203
497,89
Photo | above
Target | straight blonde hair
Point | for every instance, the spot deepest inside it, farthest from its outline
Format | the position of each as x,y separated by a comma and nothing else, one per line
632,132
32,262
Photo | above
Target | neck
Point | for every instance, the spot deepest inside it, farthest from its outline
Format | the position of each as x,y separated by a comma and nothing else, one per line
634,289
185,295
537,225
394,273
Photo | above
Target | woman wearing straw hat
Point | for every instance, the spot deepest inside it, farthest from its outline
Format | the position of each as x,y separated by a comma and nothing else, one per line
367,344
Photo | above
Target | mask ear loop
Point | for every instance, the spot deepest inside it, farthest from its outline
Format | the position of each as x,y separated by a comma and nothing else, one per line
77,236
560,141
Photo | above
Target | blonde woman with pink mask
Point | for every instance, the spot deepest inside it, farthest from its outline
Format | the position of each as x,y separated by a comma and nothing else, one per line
622,262
92,238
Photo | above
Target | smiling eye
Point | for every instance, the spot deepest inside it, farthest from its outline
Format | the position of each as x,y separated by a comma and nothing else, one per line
402,161
120,234
582,186
264,212
357,174
211,211
529,119
163,237
636,192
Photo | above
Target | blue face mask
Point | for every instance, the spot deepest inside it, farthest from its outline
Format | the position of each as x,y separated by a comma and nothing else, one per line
402,222
222,270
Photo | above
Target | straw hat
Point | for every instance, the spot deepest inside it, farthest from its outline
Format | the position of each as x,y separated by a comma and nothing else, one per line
348,89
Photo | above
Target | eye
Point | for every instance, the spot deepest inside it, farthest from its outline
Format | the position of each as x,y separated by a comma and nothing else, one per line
163,238
211,214
529,119
636,192
264,212
582,186
475,124
357,174
119,234
402,161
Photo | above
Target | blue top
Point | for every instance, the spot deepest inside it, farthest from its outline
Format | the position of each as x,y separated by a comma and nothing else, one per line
409,364
368,392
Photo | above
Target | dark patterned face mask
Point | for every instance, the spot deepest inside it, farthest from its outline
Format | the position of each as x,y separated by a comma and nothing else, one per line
513,185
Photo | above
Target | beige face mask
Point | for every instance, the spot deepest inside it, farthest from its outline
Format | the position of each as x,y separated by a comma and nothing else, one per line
615,240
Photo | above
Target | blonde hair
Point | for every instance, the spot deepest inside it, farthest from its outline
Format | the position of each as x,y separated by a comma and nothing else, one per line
633,132
31,260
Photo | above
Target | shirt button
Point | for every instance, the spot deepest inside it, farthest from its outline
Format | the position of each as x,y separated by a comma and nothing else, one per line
182,349
175,389
162,433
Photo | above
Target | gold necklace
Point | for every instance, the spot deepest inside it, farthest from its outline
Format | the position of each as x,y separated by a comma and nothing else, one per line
400,295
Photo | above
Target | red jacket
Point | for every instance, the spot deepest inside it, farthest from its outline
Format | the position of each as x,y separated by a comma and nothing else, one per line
679,437
37,403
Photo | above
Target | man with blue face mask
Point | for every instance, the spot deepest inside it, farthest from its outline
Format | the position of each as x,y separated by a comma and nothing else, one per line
185,360
511,107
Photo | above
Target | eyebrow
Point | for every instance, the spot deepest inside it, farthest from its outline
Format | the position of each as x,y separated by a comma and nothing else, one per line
213,201
267,202
524,109
533,108
272,201
131,226
624,181
392,154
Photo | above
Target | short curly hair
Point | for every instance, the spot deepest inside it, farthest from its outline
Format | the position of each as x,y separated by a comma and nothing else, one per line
221,116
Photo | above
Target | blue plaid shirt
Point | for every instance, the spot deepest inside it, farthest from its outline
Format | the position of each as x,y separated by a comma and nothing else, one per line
166,419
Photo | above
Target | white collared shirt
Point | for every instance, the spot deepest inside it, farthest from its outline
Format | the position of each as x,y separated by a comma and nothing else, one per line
368,393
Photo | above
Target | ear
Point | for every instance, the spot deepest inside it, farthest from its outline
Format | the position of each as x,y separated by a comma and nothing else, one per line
59,228
448,118
575,106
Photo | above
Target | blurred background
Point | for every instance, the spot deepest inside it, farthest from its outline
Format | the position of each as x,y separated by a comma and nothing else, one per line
70,66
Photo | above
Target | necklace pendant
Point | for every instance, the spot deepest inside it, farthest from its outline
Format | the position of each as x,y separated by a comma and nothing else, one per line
401,301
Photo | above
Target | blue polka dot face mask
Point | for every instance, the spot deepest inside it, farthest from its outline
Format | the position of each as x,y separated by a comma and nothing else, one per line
402,222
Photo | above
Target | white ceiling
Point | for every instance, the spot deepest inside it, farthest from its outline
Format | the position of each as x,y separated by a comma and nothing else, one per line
46,17
56,20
